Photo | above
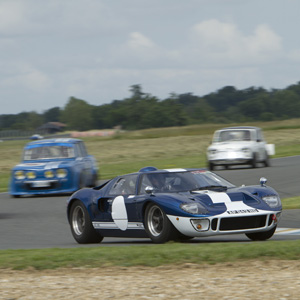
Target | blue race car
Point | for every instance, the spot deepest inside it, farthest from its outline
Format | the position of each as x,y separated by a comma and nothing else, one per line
174,204
52,166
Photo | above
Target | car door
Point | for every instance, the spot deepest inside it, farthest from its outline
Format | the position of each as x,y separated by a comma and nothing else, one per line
118,205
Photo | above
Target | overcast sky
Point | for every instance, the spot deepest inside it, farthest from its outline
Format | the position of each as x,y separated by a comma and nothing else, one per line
96,49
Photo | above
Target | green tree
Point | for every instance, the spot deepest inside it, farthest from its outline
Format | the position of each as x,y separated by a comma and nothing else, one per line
77,114
52,115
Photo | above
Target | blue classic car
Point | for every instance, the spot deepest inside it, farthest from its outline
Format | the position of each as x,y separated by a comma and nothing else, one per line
173,204
53,166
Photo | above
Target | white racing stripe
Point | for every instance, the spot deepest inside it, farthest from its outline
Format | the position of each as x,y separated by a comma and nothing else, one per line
217,197
231,206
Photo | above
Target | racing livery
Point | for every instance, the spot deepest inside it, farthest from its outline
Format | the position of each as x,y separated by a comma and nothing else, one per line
173,204
52,166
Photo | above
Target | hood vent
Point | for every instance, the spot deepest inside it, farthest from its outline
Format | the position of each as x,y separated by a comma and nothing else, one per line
246,198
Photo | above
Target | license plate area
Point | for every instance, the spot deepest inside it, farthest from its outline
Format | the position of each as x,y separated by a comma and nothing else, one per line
38,184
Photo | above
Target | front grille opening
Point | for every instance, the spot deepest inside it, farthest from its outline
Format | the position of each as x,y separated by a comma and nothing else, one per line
53,185
214,224
270,220
239,223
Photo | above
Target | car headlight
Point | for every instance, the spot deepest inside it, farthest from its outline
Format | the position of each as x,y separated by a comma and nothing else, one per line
19,175
49,174
272,200
212,151
246,150
194,208
61,173
31,175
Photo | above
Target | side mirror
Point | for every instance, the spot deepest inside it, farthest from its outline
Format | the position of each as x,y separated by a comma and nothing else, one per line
149,190
263,181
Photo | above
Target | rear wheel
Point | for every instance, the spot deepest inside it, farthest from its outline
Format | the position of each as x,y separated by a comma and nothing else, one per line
81,226
267,160
157,225
261,236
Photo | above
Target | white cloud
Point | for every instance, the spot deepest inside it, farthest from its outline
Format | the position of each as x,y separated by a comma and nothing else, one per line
138,41
224,43
22,75
11,16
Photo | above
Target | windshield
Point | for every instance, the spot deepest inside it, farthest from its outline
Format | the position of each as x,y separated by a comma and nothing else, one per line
183,181
48,152
233,135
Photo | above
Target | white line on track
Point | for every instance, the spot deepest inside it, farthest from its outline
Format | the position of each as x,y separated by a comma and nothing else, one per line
288,231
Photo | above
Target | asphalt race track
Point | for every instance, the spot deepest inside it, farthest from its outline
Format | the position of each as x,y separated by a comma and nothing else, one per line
40,222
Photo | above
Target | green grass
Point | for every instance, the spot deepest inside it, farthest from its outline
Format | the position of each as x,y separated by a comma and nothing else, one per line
291,203
153,255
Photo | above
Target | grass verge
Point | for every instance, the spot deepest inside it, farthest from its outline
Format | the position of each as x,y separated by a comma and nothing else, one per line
153,255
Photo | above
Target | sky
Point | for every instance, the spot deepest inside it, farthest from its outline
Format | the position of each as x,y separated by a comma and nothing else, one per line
95,50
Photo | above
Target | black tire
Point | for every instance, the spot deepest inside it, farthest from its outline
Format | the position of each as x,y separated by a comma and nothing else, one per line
94,180
81,226
211,166
267,161
261,236
253,161
158,226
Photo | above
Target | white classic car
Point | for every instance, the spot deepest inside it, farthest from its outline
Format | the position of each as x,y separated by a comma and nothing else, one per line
238,146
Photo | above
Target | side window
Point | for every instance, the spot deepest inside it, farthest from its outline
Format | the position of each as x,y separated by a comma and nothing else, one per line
259,135
145,182
80,149
124,186
83,149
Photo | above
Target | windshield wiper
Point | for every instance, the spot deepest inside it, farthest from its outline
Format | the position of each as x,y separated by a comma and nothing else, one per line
211,187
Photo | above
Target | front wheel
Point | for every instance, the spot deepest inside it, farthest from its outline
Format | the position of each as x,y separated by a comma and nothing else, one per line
211,166
253,161
157,225
261,236
81,226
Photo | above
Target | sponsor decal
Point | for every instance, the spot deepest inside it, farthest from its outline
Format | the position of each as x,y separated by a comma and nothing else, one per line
242,211
198,171
119,212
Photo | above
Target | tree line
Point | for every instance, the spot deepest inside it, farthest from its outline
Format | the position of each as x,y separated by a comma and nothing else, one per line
142,110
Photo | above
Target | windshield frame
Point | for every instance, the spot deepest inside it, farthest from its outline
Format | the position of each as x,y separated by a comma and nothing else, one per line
182,181
233,135
48,151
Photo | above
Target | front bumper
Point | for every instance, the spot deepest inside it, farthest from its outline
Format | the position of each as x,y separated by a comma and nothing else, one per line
229,157
226,224
41,187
